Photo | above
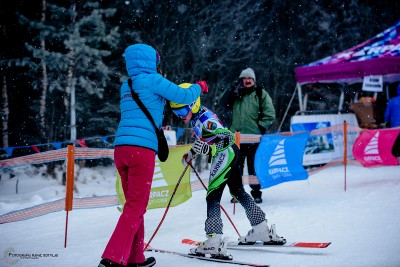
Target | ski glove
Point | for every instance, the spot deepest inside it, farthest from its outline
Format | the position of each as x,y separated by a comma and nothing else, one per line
204,86
188,157
200,147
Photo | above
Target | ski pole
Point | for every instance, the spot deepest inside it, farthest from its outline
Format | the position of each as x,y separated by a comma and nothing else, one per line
222,208
166,210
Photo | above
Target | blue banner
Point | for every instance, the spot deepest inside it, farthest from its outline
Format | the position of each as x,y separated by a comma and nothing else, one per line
279,159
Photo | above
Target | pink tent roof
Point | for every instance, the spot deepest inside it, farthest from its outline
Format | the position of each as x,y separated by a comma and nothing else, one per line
379,55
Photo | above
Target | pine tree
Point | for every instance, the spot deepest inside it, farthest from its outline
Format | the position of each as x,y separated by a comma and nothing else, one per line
77,42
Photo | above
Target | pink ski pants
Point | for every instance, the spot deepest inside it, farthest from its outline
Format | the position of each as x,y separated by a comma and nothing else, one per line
136,168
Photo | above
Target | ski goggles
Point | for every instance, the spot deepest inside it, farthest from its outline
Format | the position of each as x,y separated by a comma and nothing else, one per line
183,111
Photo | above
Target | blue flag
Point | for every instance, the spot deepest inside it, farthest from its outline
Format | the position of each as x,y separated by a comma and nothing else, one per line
279,159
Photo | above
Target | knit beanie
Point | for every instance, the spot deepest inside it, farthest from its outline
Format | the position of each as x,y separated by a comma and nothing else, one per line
249,72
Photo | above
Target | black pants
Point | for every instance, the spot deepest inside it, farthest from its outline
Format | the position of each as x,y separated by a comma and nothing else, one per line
248,151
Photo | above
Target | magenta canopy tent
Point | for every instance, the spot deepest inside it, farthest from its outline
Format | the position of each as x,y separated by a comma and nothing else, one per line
379,55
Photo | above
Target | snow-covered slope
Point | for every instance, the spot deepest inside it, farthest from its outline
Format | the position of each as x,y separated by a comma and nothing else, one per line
362,222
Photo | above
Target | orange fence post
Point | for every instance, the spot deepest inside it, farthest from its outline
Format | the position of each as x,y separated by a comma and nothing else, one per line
237,142
345,151
69,189
237,139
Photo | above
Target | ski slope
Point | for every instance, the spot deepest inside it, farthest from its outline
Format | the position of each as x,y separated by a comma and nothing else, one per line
362,222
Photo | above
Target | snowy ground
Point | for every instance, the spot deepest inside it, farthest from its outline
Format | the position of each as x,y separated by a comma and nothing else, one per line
362,222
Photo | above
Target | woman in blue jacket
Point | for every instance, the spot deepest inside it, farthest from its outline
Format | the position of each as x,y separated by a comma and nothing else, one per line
135,150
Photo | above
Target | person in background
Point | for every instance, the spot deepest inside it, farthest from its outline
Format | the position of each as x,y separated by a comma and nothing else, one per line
218,143
135,150
392,118
392,112
253,113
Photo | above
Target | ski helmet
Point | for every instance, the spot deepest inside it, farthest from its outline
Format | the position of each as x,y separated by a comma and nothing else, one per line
181,110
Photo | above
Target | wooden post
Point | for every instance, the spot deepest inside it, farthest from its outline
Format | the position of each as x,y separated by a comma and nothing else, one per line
69,190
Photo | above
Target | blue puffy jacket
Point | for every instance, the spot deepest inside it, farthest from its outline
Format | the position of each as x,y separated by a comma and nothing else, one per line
392,113
134,127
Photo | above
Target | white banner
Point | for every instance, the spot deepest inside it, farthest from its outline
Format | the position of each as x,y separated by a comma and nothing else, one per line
372,83
323,148
170,135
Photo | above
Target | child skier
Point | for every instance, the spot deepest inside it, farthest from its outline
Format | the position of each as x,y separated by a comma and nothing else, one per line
216,141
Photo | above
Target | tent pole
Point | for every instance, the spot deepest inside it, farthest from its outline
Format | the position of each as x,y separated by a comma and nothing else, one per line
298,87
387,91
287,109
341,99
305,101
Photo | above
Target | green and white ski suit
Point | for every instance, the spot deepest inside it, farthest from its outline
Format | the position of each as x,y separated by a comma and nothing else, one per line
224,170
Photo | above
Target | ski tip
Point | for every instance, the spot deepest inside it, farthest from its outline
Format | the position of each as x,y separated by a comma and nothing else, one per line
188,241
312,245
326,244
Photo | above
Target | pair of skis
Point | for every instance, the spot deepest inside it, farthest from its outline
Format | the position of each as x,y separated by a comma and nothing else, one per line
235,244
193,256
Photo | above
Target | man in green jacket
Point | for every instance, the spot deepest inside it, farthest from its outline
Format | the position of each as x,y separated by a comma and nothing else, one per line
253,113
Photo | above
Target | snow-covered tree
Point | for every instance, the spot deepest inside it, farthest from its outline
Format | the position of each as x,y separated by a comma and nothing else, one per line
71,44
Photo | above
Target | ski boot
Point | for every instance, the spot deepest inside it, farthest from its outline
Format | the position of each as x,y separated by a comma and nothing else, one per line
256,194
108,263
151,261
262,233
215,246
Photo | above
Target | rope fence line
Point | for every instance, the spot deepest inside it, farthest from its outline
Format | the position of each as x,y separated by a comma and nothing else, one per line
112,200
78,203
96,153
58,205
56,155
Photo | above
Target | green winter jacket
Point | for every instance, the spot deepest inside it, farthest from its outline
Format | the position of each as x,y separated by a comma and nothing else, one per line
245,116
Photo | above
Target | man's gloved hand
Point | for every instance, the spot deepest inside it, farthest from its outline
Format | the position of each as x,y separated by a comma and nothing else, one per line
200,147
188,157
204,86
236,86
